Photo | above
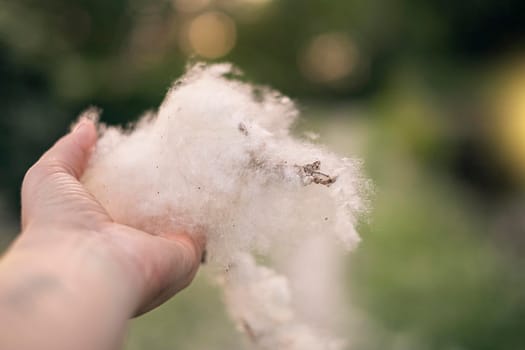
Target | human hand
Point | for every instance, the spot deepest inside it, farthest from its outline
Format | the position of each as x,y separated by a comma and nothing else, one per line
63,225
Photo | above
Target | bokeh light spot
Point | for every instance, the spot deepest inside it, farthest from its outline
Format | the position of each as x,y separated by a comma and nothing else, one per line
329,58
212,34
510,109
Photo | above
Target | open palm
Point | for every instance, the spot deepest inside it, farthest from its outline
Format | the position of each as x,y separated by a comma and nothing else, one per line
59,213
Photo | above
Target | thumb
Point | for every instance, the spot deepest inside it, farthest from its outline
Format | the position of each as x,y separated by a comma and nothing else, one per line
65,160
70,154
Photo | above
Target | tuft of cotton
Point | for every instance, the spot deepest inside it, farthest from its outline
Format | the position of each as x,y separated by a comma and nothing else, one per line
260,300
218,159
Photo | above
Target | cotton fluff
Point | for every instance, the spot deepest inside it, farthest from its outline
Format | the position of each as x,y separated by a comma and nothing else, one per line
218,159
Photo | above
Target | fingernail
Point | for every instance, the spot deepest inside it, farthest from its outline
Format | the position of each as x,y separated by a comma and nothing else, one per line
81,125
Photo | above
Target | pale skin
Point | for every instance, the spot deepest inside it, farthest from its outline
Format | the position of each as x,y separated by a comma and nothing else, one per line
74,277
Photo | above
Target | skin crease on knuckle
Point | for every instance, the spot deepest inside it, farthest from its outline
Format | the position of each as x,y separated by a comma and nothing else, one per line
52,189
58,166
42,178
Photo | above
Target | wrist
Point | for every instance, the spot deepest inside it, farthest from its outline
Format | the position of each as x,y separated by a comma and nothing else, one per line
77,263
70,295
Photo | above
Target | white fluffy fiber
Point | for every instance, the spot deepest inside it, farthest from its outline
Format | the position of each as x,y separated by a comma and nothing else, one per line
218,158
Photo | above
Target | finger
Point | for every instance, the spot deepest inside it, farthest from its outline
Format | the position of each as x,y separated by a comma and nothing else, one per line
67,158
177,262
71,153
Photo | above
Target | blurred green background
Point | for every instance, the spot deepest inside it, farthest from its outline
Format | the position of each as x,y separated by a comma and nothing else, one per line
431,94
